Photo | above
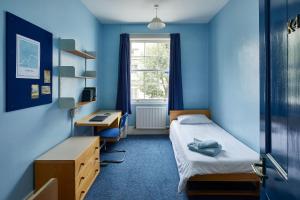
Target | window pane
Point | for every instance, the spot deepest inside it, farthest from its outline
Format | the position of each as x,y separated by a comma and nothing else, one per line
151,62
150,86
156,85
137,85
163,63
151,49
137,63
137,49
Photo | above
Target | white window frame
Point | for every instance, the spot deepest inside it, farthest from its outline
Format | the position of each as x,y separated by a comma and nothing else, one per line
144,38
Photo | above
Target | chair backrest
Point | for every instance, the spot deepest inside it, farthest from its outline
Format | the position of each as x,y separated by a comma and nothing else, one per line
123,121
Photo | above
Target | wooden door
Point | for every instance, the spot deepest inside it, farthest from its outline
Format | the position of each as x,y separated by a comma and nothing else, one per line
280,99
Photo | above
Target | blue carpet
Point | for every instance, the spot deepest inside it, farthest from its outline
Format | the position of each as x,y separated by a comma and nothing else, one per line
148,172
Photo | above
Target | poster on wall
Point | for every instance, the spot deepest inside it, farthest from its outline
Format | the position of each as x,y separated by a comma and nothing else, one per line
47,76
28,58
46,90
29,51
35,93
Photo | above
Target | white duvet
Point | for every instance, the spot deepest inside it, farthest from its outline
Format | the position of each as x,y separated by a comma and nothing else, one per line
235,157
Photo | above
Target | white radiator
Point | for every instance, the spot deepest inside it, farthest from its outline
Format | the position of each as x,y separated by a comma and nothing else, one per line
149,117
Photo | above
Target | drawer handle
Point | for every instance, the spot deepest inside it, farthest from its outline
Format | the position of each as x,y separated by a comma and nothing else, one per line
96,148
81,179
82,193
81,165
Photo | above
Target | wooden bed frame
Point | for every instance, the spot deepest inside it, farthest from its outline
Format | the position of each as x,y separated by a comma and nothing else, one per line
245,185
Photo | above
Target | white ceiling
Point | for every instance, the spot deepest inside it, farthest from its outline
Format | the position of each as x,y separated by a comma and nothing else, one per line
141,11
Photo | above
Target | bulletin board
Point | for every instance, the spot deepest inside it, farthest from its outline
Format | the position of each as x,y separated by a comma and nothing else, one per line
28,64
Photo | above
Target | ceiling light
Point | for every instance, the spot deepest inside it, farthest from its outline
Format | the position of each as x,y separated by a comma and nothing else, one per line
156,23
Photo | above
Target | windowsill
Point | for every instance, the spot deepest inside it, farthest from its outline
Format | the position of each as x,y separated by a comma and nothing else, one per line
149,103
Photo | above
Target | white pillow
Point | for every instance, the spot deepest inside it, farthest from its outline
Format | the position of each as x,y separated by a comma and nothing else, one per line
193,119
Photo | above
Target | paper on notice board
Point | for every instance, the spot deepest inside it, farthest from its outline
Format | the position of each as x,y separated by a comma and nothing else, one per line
28,58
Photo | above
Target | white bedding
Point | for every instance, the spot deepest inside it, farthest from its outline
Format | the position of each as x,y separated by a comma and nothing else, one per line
235,157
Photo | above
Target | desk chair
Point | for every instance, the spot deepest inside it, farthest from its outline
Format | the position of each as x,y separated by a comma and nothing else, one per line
112,135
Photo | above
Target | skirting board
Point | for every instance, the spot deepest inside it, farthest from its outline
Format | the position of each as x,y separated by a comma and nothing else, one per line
133,131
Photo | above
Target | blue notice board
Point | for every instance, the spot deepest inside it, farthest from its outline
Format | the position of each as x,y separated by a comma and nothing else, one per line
28,64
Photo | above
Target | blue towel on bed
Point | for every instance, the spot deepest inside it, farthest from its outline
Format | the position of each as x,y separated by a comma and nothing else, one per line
207,147
206,143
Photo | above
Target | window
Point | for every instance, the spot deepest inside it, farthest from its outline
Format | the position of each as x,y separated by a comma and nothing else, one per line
150,69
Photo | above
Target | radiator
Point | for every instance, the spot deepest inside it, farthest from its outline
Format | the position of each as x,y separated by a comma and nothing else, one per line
148,117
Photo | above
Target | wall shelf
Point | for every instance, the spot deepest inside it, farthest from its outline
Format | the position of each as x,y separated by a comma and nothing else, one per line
70,103
69,45
70,72
80,104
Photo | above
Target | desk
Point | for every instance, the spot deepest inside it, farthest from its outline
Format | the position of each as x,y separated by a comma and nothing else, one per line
112,121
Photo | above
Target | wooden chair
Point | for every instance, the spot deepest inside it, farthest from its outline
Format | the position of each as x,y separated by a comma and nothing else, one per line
49,191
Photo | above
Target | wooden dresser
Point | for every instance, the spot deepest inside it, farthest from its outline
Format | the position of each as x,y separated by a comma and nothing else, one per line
74,162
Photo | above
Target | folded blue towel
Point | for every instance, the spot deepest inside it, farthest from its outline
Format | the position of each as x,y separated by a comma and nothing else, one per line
206,151
206,143
208,147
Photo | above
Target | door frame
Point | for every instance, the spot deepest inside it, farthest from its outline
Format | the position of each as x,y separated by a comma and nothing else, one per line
264,59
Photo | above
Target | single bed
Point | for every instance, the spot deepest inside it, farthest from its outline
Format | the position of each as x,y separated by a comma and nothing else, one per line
228,174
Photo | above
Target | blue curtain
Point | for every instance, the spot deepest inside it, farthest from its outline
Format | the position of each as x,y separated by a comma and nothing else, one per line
123,96
175,82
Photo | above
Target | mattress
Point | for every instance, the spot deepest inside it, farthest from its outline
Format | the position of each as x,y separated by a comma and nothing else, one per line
235,156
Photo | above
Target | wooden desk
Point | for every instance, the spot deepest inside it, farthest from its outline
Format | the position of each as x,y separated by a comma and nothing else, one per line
112,121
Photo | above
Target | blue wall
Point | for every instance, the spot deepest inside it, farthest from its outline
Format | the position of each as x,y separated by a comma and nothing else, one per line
25,134
234,70
219,66
194,51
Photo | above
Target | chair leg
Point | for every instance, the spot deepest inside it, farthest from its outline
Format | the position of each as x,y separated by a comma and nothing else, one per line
106,162
103,145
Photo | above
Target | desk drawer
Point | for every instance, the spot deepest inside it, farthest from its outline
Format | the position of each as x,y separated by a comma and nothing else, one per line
87,182
93,163
83,159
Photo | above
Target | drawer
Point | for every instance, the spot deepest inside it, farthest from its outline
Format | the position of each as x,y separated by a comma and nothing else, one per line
84,172
83,159
84,187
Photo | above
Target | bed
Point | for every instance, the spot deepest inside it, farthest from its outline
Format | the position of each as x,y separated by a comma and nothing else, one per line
228,174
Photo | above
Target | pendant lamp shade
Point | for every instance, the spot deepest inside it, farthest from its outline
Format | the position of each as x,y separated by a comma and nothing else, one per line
156,23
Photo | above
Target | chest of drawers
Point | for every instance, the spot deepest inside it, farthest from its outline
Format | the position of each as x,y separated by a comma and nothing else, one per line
74,162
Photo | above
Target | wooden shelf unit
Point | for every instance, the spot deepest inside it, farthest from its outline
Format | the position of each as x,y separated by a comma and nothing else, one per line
69,45
81,54
70,72
70,102
79,104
